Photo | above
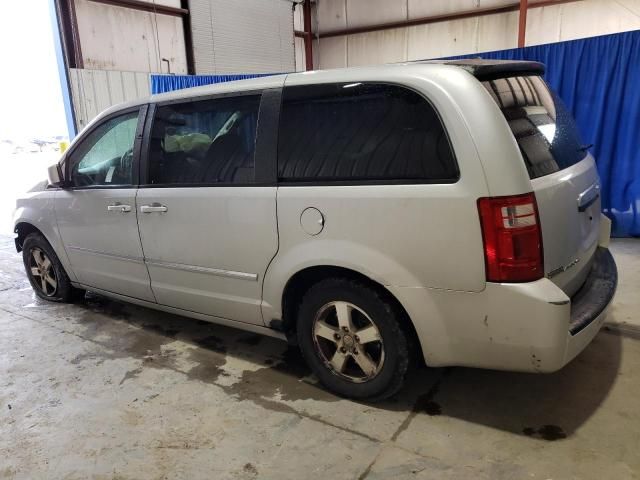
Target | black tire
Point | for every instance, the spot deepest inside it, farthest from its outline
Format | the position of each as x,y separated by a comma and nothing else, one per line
36,246
370,305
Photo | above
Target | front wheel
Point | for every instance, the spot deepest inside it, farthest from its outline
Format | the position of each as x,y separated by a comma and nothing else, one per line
351,337
45,272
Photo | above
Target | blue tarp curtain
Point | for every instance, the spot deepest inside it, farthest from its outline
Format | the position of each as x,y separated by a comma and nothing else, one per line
168,83
599,80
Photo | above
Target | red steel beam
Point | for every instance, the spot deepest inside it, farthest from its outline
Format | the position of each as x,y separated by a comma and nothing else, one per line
146,7
68,23
307,35
478,12
522,22
188,38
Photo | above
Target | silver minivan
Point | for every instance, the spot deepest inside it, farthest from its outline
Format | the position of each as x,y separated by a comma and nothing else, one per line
438,211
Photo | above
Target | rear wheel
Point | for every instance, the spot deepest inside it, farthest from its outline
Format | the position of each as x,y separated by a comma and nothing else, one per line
45,272
351,337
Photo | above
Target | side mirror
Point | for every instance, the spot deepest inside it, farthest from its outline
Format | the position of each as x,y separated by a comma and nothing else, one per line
56,178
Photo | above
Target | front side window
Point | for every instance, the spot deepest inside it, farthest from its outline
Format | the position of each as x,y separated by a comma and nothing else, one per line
105,157
204,142
361,132
545,131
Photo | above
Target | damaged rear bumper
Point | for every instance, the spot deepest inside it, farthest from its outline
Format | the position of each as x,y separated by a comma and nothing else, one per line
530,327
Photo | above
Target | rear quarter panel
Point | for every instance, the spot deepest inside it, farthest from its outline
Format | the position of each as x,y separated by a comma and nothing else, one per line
420,235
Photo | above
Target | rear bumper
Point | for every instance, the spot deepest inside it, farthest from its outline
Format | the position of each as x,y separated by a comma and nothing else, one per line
533,327
589,304
596,293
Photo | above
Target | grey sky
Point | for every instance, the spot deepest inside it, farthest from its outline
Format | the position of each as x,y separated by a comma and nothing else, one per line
30,95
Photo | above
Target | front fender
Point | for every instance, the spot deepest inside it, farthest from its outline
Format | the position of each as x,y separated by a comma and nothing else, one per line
38,209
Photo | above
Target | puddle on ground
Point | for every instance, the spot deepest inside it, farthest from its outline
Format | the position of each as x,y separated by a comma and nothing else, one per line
280,371
546,432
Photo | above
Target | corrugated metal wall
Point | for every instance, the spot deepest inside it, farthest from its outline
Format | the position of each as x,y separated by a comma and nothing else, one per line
95,90
248,36
549,24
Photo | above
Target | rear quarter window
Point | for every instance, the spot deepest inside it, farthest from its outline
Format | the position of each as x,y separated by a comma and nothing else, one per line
361,132
541,124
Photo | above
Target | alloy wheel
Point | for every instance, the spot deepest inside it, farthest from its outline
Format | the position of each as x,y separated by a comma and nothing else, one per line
348,341
42,272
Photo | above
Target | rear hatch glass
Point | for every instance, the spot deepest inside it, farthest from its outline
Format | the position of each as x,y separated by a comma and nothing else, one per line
545,131
564,180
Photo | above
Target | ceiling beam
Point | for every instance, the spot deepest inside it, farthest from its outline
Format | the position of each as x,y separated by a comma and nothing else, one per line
146,7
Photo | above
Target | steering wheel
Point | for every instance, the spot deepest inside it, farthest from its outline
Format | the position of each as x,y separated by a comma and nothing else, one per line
82,180
125,162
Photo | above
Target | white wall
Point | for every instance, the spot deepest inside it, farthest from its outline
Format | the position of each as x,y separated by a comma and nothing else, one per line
242,36
566,21
124,39
300,56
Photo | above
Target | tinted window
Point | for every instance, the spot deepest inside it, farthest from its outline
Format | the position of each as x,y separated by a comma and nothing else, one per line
105,157
361,132
204,142
545,131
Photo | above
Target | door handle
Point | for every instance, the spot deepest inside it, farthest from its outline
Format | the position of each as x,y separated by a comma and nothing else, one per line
118,207
154,207
588,197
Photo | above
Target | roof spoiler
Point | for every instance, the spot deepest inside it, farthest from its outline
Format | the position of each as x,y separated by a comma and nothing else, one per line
484,69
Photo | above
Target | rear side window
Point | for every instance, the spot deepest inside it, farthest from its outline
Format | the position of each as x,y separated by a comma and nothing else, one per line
361,132
545,131
204,142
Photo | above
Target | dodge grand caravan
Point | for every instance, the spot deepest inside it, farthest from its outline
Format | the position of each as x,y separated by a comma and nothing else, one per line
440,211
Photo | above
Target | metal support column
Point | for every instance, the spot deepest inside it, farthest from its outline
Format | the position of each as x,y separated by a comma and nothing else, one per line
522,23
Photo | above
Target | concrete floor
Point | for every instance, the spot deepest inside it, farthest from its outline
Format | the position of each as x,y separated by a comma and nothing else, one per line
106,390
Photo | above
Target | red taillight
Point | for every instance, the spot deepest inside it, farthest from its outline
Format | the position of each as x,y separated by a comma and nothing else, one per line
512,238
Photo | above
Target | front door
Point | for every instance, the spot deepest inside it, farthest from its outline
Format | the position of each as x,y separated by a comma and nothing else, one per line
208,226
97,213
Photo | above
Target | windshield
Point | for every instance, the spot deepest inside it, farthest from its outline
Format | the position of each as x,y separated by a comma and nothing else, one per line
545,131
